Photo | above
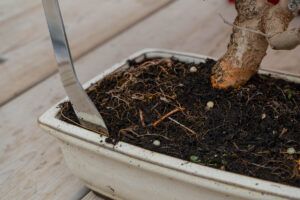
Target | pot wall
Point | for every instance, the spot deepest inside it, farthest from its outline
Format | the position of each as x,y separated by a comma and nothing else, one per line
128,172
134,180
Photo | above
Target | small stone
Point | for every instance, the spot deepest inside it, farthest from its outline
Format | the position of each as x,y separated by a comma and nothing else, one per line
194,158
193,69
210,105
156,143
164,99
263,116
291,151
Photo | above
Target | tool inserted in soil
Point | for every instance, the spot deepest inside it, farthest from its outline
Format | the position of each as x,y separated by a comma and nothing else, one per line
87,114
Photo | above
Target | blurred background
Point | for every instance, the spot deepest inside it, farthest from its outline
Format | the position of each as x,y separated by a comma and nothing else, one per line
101,33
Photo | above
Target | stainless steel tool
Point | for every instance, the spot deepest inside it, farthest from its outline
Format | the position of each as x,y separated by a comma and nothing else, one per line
88,115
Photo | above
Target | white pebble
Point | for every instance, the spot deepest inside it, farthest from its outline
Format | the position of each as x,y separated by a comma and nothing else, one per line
263,116
210,105
193,69
291,151
164,99
156,143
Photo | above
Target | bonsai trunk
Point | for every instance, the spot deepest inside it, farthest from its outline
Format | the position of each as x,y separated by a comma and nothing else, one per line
257,25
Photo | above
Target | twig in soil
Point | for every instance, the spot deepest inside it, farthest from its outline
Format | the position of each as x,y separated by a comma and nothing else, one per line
283,171
154,106
142,118
170,97
154,124
253,96
281,92
120,99
296,104
297,169
257,165
149,63
155,135
283,132
183,126
130,132
130,129
163,70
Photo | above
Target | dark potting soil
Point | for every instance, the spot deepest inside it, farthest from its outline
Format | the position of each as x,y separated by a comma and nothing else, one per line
169,107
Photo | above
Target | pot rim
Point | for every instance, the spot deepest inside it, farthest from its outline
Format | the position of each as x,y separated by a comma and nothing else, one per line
50,122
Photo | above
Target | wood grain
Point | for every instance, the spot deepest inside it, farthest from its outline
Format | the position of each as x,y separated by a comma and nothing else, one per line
15,8
31,164
26,47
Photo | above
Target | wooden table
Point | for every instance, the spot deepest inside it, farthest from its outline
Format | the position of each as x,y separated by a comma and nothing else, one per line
101,34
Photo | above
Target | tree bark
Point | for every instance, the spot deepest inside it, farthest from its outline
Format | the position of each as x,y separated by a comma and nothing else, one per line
257,25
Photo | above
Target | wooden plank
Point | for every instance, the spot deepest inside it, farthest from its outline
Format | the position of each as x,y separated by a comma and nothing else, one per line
15,8
26,47
203,33
31,165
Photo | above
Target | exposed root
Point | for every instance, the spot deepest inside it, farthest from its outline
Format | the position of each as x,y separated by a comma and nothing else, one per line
157,122
183,126
142,118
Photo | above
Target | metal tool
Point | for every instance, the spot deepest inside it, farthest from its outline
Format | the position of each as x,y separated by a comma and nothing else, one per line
88,115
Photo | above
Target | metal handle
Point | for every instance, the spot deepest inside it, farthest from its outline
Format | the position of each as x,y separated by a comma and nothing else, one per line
88,115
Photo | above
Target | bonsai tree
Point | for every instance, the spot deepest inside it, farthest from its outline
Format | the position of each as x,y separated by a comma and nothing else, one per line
259,24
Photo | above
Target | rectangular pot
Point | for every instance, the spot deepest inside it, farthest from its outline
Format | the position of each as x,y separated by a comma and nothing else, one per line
129,172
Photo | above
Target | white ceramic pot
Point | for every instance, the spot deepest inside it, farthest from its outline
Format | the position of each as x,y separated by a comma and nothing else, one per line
128,172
